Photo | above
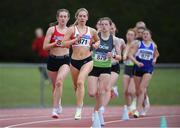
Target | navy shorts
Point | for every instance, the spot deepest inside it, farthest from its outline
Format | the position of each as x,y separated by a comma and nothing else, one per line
140,73
79,63
55,62
97,71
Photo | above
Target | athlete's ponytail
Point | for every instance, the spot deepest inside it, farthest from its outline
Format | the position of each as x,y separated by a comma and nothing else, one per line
53,23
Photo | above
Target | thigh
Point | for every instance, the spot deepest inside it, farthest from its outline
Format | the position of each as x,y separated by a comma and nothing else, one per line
145,80
63,71
74,74
131,87
104,82
92,84
52,75
114,78
137,81
85,70
126,82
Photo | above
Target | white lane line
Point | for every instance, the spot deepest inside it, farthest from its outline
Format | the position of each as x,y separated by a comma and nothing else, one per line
7,116
153,117
29,117
23,118
35,122
45,121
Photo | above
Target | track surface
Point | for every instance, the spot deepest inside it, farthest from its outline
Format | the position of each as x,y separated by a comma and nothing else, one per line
41,117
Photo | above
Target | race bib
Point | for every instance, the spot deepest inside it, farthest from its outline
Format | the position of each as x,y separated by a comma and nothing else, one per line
84,41
145,55
101,57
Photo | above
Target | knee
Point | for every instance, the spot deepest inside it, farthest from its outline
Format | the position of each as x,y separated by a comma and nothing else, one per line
59,83
140,91
80,84
92,94
107,89
102,91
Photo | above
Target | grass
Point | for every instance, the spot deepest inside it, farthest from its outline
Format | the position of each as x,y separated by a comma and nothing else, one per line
19,87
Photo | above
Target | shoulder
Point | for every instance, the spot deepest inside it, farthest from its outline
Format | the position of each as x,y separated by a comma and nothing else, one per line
92,30
70,30
118,40
136,43
154,44
51,29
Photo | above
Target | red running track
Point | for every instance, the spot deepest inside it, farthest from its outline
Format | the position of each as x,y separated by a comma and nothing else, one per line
41,117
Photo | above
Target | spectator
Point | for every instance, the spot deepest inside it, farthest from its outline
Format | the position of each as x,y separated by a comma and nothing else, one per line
37,46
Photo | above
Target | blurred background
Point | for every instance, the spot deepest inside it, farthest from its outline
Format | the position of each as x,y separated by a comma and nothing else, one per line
21,84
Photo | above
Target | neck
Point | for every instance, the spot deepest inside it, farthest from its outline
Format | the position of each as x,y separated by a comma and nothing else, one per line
128,42
146,41
61,26
105,34
81,26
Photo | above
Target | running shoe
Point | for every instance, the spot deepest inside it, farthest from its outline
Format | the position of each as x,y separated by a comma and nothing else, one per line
142,113
78,114
101,117
102,109
136,114
59,110
133,104
146,104
115,90
55,113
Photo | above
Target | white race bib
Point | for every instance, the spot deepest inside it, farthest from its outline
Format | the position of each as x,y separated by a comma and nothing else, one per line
145,55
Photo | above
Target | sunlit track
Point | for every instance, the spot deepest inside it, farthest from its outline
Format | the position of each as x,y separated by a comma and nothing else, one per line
112,116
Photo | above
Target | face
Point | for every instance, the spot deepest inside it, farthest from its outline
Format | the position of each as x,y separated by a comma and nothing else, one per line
113,29
39,32
98,26
105,25
146,36
130,36
63,18
139,33
82,17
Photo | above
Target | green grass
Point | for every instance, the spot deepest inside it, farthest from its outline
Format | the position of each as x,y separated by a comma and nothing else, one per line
19,87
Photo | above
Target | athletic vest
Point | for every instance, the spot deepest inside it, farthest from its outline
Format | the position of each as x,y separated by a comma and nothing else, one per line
100,55
145,55
85,40
56,36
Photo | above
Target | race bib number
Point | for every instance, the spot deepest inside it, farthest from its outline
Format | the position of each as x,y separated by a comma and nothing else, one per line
83,41
145,55
101,57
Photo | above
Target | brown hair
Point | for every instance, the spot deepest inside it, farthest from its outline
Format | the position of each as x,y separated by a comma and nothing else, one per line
148,31
141,23
106,18
57,15
116,31
133,30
